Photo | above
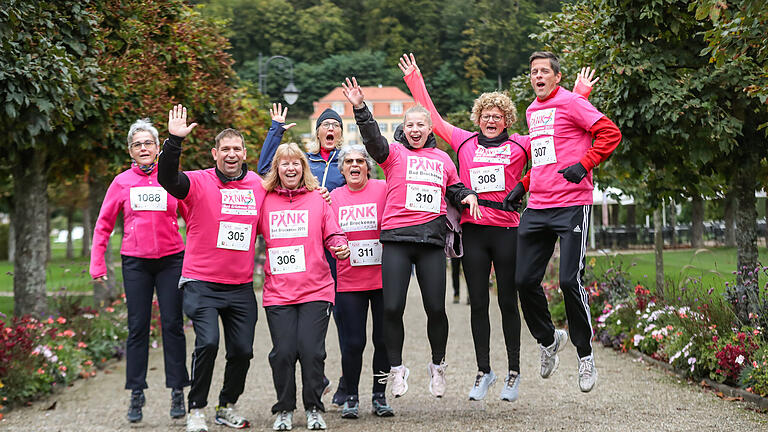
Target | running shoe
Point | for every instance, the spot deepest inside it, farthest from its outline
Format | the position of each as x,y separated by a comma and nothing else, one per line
511,388
340,396
587,373
196,421
283,421
549,358
177,404
437,382
398,380
134,408
350,409
380,407
483,381
226,415
315,420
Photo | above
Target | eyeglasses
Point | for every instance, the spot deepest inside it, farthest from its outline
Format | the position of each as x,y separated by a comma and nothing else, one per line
139,144
330,124
495,117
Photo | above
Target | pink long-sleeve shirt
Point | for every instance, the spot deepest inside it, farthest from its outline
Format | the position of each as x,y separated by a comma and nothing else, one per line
149,216
297,225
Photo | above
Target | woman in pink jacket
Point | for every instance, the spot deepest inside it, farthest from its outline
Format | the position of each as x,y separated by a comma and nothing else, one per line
152,253
298,288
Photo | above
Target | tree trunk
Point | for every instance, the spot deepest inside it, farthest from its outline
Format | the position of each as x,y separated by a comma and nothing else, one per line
697,222
658,242
30,215
766,220
87,231
70,222
104,293
745,184
673,223
11,239
730,218
631,216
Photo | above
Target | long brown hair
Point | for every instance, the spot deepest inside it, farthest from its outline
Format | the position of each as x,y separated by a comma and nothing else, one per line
289,151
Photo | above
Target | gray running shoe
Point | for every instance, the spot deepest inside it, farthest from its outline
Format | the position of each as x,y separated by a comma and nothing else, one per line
350,409
380,407
587,373
511,388
226,415
315,420
134,409
483,381
177,404
283,421
196,421
549,359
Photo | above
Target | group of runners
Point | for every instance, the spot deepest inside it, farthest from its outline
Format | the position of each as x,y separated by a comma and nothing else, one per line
341,243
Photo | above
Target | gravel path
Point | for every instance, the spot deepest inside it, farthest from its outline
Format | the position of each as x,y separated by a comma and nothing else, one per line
629,396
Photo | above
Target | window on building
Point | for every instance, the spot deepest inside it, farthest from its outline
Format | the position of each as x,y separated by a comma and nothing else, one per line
338,107
383,127
352,127
369,105
396,108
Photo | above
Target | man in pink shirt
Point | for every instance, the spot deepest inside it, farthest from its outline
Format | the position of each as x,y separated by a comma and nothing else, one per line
569,137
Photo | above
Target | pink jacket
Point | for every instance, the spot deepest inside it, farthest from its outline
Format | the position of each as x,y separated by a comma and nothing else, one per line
149,215
297,225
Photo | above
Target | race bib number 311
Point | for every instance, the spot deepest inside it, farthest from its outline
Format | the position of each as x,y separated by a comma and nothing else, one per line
149,198
234,236
364,252
288,259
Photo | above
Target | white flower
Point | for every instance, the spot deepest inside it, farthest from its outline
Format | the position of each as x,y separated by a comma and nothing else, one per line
740,359
637,339
692,360
618,322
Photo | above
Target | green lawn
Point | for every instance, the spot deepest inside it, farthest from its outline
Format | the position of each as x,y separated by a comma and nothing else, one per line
714,266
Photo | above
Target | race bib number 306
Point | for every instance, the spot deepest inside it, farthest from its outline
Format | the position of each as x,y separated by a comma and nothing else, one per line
487,179
543,150
288,259
234,236
422,198
364,252
149,198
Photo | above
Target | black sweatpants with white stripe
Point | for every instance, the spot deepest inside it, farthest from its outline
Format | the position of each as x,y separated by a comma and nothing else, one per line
539,230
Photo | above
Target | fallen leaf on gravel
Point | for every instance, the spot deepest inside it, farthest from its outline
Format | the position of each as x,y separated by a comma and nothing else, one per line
733,398
52,407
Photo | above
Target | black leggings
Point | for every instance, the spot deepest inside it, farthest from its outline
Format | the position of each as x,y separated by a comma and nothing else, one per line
396,261
485,245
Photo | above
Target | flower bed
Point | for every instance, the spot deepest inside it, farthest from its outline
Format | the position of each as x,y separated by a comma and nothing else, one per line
37,356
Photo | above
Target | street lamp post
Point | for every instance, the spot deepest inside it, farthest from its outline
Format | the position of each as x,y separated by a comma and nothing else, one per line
290,92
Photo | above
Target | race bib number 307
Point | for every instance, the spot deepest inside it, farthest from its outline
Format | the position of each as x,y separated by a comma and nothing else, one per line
288,259
234,236
543,151
422,198
149,198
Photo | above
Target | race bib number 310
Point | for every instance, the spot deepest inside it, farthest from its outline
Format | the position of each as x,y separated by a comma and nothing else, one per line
422,198
149,198
234,236
288,259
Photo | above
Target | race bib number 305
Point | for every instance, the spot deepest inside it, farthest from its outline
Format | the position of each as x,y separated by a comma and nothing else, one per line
487,179
288,259
364,252
422,198
149,198
234,236
543,150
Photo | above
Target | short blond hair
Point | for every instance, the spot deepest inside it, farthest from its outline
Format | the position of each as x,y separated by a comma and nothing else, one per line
290,151
494,100
418,109
314,145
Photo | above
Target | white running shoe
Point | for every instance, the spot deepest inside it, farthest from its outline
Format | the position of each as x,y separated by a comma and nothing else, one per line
283,421
549,358
226,415
437,382
587,373
483,381
196,421
398,380
511,389
315,420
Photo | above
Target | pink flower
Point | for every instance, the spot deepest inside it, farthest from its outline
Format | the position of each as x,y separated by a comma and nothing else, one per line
61,320
63,368
109,309
40,371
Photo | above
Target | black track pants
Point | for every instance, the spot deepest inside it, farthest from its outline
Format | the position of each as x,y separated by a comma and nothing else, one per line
485,245
538,231
396,262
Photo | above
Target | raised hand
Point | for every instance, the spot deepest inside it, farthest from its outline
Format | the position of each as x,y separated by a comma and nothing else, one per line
585,76
353,92
408,65
278,114
177,122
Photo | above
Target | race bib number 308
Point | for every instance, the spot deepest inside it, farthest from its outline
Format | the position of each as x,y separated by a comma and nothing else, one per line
487,179
149,198
422,198
288,259
234,236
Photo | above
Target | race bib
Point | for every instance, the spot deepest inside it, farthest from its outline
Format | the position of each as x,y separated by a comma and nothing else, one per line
542,122
487,179
234,236
361,217
543,151
496,155
288,223
238,202
424,169
422,198
149,198
364,252
288,259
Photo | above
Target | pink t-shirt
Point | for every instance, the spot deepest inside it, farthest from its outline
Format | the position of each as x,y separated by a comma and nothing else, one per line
416,183
221,227
559,131
296,227
492,172
149,219
359,214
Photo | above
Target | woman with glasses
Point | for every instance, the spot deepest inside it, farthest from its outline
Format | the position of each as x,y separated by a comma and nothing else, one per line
152,251
491,163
